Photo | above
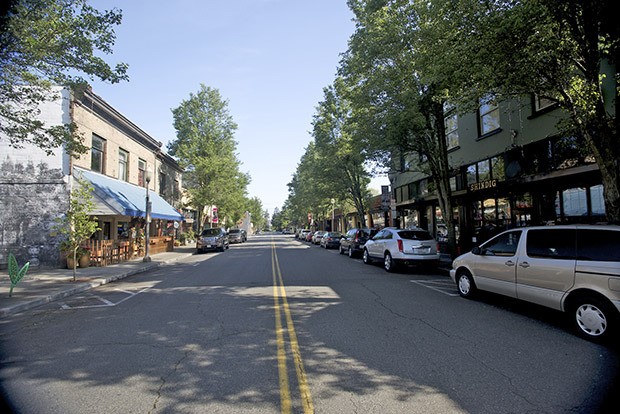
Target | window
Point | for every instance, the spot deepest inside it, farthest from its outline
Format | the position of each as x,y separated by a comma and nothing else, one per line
598,203
551,243
599,245
176,190
97,152
123,161
575,202
162,183
141,173
497,168
451,124
541,103
488,115
472,178
503,245
484,171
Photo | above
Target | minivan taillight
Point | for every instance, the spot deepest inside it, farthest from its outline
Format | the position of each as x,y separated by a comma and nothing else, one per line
400,246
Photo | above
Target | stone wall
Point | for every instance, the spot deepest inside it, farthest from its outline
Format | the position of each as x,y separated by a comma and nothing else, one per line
33,193
31,198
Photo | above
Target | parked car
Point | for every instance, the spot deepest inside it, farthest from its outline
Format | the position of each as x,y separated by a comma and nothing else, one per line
331,239
413,246
214,238
316,237
302,234
309,236
352,243
235,236
571,268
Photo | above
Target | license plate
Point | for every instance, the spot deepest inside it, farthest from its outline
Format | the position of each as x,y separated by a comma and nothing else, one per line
208,246
421,250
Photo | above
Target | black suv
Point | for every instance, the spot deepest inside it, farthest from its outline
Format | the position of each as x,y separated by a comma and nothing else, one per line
353,241
214,238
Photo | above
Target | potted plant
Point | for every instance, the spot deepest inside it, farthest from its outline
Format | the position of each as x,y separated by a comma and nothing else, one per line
77,225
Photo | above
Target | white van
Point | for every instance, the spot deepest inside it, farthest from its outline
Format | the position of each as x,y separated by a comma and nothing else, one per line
572,268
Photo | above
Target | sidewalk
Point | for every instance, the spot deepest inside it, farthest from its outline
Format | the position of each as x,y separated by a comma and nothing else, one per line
42,286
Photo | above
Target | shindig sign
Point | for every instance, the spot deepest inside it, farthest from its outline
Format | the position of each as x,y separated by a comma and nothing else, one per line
483,185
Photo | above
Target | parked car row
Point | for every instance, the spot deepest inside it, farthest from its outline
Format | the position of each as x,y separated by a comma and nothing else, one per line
218,239
571,268
393,247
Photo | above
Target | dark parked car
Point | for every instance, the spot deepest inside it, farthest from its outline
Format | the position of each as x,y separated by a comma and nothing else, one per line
353,241
214,238
235,236
331,240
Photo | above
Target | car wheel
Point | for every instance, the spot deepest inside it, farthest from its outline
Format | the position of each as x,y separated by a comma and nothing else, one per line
388,263
366,257
465,284
592,318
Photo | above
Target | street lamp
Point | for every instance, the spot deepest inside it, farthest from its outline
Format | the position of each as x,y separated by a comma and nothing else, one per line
147,218
333,213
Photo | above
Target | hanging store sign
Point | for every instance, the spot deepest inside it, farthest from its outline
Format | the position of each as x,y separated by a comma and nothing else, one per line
482,185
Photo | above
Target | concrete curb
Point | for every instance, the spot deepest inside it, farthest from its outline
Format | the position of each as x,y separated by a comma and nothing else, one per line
84,286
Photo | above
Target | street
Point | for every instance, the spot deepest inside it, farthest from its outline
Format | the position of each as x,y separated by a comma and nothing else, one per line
277,325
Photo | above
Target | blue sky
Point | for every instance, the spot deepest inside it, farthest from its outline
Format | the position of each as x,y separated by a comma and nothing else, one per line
270,59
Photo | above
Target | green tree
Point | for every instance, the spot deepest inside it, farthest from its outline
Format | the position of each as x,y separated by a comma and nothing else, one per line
205,148
558,50
44,43
339,157
255,207
396,115
77,225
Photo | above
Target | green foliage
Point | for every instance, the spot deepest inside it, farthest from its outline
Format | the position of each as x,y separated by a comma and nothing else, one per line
205,148
16,274
44,43
558,50
77,225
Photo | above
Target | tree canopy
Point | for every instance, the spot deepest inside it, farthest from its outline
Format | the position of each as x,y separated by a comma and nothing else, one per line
44,43
205,147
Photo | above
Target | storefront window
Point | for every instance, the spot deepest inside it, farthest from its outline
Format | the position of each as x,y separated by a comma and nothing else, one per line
598,203
484,171
471,174
423,188
123,229
453,184
523,210
441,230
497,168
575,202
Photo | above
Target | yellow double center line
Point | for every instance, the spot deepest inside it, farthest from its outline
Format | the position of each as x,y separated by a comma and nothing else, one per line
281,306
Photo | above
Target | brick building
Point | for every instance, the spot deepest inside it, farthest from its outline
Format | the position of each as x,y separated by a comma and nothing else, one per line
122,161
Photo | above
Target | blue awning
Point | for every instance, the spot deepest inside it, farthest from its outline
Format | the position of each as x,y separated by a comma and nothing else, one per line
128,199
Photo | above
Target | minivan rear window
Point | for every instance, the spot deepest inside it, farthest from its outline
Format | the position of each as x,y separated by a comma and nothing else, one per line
551,243
598,245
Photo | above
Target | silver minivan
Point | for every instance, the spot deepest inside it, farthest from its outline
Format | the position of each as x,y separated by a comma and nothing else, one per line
571,268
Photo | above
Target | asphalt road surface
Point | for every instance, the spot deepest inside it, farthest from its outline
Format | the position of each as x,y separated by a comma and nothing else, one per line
276,325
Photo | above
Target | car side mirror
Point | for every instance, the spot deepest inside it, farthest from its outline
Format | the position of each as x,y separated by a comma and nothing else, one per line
477,251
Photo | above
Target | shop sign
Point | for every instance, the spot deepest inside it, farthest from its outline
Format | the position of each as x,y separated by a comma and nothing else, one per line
483,185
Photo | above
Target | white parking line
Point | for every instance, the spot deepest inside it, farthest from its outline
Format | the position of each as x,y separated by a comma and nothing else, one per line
106,302
445,287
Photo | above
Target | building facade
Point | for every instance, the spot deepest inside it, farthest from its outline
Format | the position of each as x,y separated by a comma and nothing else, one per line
122,162
511,167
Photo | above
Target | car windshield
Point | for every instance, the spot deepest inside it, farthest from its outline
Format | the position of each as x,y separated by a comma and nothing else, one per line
234,231
415,235
210,232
